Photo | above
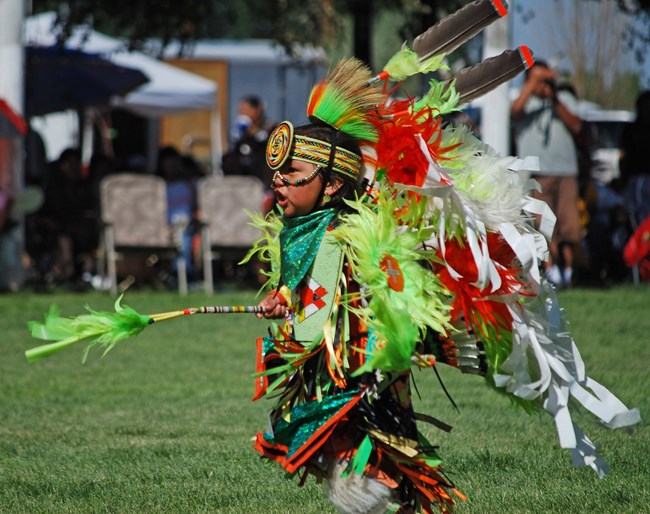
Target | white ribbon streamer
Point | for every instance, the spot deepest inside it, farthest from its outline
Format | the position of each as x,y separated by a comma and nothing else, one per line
541,344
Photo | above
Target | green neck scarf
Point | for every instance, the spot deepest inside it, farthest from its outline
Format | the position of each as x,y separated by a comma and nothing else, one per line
300,239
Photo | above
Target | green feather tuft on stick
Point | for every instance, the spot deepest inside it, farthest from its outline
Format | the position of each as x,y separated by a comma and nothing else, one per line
106,329
102,328
405,63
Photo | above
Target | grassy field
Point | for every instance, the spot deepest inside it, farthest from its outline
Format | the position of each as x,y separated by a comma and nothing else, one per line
164,422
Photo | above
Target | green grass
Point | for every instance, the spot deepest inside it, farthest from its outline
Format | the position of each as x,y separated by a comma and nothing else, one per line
164,422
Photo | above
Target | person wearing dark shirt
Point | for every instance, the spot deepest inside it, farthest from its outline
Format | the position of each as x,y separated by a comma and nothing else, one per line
70,212
248,154
634,182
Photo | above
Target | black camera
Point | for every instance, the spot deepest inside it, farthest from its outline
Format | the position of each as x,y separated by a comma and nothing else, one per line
552,84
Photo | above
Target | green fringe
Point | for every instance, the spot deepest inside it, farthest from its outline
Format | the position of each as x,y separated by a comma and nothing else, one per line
267,247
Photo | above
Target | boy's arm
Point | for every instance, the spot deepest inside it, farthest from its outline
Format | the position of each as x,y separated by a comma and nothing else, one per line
517,107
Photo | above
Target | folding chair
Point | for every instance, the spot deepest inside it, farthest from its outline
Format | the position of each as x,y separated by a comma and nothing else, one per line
226,232
134,218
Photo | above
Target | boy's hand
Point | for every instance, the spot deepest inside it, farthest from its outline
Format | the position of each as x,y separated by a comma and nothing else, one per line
275,306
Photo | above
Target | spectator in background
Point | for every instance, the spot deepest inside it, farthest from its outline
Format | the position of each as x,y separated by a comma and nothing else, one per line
193,169
248,154
135,163
634,182
545,125
99,167
5,209
70,217
35,159
181,198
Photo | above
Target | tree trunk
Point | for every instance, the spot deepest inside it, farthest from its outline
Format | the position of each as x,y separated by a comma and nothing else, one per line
362,14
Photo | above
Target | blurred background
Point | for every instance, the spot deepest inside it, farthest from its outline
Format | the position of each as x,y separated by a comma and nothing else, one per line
172,89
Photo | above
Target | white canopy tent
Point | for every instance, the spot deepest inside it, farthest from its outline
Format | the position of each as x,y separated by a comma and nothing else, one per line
170,89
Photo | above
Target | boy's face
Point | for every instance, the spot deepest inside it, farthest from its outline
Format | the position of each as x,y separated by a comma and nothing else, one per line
297,200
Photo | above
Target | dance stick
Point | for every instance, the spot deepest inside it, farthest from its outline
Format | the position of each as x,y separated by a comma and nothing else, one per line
208,309
106,329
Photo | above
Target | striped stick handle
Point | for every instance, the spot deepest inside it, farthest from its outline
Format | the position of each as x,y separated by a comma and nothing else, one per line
207,309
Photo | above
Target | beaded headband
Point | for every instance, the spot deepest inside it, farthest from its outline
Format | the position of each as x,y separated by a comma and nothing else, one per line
283,143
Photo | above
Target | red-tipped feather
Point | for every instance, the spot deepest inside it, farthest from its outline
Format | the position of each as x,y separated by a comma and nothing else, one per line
452,31
527,56
485,76
501,7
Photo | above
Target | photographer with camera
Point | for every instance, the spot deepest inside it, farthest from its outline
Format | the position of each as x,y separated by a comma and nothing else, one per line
544,124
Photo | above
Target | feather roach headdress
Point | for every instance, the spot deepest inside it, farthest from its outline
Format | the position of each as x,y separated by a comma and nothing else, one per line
346,101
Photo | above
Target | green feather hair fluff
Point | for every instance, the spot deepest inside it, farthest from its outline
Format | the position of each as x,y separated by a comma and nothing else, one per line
102,328
405,63
397,317
442,97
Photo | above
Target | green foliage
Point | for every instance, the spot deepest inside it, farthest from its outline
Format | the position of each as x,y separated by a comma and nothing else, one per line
288,22
136,21
164,424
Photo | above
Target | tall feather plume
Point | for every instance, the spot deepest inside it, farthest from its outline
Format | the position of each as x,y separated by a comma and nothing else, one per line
346,101
485,76
452,31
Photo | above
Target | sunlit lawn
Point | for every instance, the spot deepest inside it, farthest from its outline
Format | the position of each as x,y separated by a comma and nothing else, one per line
164,422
